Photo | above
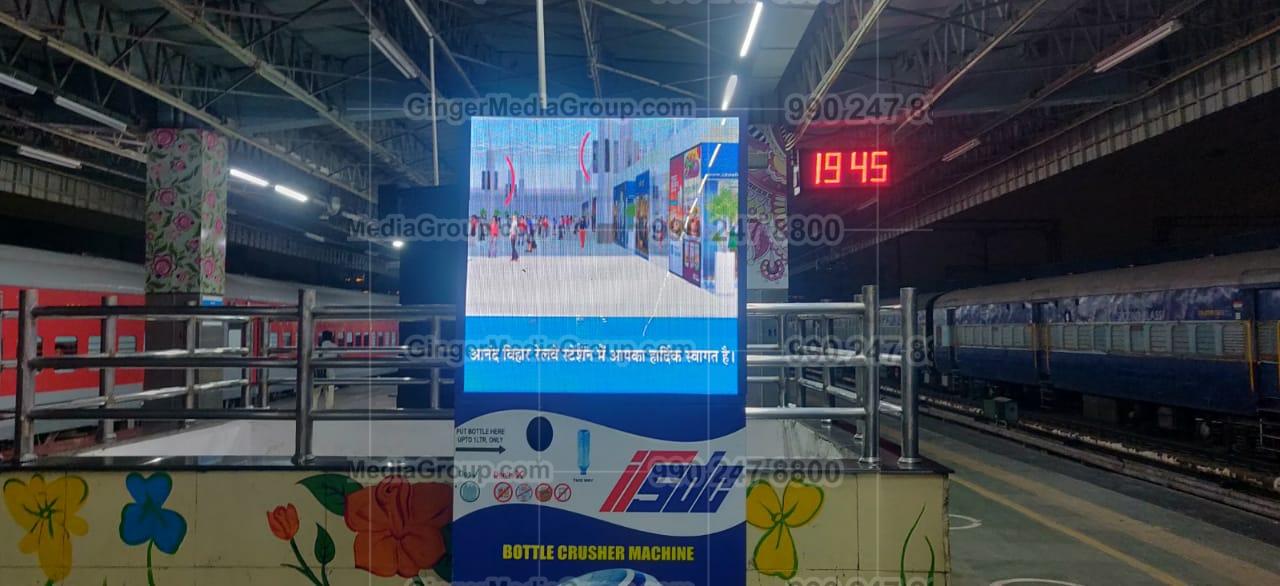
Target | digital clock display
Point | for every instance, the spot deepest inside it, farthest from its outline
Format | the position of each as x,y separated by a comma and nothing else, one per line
853,168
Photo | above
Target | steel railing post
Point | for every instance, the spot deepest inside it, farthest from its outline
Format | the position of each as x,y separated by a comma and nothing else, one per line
193,328
303,425
107,376
431,353
264,351
910,406
871,394
25,393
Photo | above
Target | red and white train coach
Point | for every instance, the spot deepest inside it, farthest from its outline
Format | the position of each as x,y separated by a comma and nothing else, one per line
65,279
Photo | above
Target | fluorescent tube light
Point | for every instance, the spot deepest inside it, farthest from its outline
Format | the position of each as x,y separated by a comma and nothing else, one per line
254,179
751,28
960,150
729,87
90,113
17,84
49,157
287,192
1138,46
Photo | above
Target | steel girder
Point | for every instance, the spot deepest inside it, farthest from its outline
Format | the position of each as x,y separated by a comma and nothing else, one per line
1213,67
27,179
111,51
260,44
834,35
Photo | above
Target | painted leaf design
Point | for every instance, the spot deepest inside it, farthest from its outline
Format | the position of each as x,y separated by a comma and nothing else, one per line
331,490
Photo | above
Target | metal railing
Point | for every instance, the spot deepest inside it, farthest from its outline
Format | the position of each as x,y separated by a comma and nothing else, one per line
790,360
301,358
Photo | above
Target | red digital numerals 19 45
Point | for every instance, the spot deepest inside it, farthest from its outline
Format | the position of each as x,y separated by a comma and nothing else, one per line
856,168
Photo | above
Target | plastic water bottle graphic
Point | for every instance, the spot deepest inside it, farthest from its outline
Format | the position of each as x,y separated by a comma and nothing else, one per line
584,451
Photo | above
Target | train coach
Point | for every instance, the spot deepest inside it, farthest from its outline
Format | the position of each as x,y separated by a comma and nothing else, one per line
1188,345
64,279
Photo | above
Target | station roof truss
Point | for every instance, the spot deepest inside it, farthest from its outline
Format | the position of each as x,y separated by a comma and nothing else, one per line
310,93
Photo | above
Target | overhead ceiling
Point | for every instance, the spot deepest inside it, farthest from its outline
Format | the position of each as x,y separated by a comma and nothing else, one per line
307,99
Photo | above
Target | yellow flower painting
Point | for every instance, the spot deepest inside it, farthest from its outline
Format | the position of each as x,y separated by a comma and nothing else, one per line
775,553
48,514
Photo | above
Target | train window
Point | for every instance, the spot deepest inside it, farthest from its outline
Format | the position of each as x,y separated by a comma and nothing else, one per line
1119,338
66,346
288,339
1100,338
1138,338
275,339
1006,336
1233,339
1206,339
393,338
364,339
126,344
1159,338
39,346
1087,338
1055,336
95,344
1020,336
1181,339
1069,333
349,341
1267,340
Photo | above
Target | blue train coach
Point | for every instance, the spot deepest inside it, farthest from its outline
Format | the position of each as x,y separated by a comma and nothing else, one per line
1188,344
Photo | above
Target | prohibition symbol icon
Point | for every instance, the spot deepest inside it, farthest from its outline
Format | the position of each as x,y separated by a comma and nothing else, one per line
562,492
502,492
543,492
523,492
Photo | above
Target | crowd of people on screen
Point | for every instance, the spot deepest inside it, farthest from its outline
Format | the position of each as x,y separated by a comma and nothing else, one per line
523,232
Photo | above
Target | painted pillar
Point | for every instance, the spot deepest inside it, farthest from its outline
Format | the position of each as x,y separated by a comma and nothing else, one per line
186,225
186,213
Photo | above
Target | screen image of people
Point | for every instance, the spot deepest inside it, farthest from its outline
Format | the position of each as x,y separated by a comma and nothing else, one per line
591,278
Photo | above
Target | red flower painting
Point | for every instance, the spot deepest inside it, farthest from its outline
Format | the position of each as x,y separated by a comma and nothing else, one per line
398,525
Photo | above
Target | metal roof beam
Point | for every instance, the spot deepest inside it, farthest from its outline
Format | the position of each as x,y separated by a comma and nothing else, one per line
836,32
148,67
265,69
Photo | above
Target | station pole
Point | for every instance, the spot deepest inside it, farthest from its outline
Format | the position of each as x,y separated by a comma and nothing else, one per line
910,407
302,421
25,395
107,376
871,348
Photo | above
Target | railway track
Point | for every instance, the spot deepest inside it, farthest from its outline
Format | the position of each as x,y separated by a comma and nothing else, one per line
1249,486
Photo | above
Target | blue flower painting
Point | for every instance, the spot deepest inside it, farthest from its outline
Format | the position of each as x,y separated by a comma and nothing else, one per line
145,520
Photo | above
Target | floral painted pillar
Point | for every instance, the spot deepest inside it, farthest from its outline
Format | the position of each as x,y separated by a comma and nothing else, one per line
186,227
186,213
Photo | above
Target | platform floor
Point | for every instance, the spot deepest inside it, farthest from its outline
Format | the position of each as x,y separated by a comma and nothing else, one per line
1020,516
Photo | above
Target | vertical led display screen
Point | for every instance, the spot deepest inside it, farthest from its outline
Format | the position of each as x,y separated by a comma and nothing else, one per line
600,427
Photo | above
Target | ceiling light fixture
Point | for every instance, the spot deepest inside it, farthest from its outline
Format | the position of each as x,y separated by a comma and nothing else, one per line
1138,46
960,150
254,179
17,84
287,192
393,53
751,28
49,157
397,244
729,87
90,113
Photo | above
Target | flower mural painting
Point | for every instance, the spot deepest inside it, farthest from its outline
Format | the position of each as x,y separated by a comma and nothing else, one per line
399,526
283,521
145,520
775,553
48,513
